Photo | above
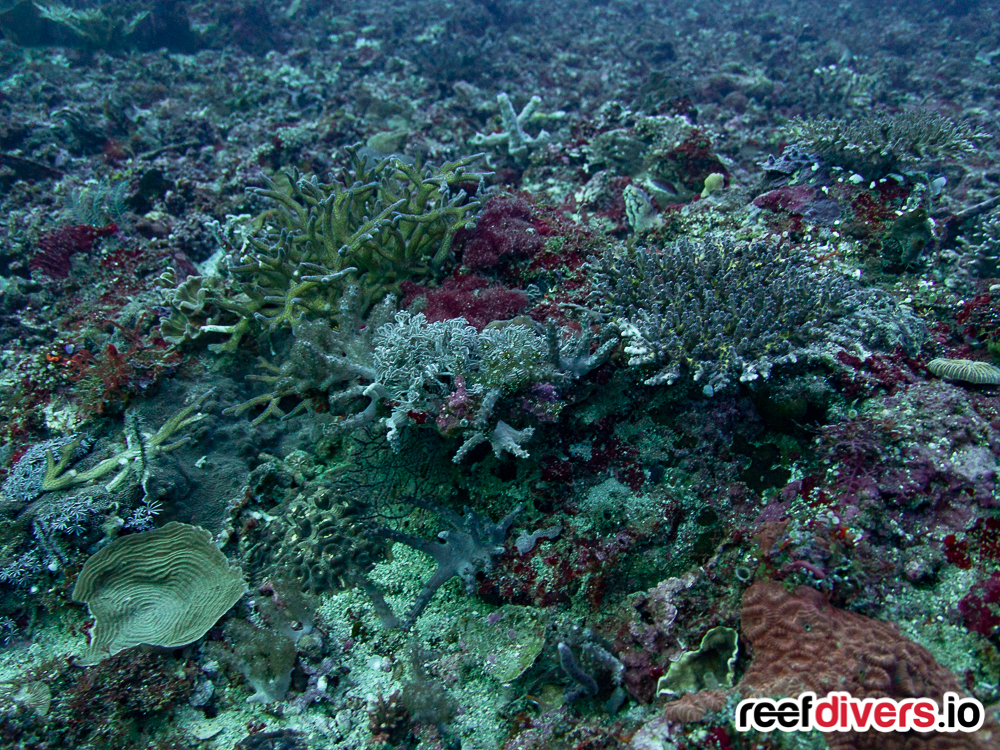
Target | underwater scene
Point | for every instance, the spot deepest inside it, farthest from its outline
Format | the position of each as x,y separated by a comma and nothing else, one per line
499,375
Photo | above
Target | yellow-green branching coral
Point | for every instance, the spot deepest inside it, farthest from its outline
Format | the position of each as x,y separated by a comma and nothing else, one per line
374,225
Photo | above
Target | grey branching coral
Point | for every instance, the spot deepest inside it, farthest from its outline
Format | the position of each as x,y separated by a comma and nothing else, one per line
449,371
333,362
882,143
376,225
513,134
466,549
723,309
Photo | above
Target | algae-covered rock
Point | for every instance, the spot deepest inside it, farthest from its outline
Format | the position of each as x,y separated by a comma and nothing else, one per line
164,587
509,641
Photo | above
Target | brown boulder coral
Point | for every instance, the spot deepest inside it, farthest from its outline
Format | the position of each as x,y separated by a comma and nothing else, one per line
801,642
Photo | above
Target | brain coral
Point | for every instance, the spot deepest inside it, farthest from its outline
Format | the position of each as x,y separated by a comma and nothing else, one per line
801,642
164,587
319,540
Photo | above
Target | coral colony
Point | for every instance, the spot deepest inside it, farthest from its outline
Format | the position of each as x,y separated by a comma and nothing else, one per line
499,375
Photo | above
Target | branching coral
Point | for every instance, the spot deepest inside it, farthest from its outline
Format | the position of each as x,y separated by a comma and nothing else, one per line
448,371
880,143
43,472
444,372
465,550
324,361
377,224
726,309
513,134
983,247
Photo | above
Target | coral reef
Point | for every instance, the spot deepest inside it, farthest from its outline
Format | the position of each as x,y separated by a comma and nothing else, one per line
787,210
376,226
513,134
879,143
465,550
720,310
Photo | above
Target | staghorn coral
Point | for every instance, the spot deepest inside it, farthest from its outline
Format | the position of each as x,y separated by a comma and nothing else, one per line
880,143
376,224
445,372
416,362
513,134
419,365
801,642
25,482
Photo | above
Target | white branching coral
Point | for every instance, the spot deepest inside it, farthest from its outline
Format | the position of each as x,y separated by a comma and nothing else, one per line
443,372
514,135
